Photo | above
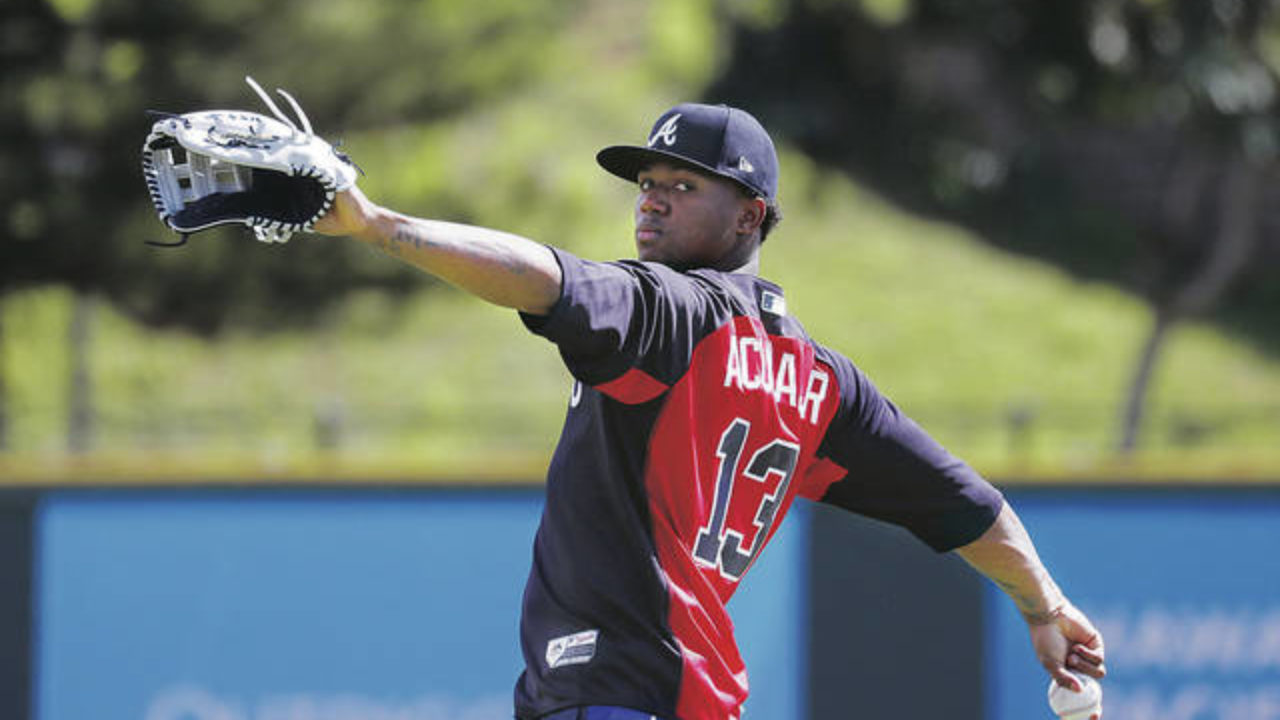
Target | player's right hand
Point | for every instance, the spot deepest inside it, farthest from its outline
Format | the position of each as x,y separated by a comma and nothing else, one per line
1069,642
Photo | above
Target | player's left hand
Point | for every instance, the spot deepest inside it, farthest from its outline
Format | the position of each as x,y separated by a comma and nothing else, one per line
1069,642
350,215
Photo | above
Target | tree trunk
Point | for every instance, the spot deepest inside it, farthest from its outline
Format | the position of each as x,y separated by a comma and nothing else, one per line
1233,245
1229,253
1136,402
80,389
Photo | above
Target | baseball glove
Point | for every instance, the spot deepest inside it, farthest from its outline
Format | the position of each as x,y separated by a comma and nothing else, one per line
216,167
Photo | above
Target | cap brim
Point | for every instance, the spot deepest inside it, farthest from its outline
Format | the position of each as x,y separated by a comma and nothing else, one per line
626,161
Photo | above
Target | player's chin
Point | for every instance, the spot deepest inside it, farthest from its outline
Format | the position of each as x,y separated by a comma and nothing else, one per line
661,249
650,250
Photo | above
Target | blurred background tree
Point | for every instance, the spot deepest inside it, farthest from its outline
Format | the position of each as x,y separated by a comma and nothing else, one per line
78,75
1129,141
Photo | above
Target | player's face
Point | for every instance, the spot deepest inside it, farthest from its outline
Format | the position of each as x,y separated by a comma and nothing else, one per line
687,219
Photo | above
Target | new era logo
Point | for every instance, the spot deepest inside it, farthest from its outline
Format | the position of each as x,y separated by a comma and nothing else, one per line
745,165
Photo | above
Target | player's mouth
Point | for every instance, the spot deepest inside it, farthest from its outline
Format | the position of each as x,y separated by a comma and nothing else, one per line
646,233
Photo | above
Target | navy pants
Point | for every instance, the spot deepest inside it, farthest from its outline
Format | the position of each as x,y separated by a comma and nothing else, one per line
599,712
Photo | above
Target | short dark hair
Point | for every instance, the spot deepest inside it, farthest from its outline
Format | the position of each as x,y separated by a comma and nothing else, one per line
772,216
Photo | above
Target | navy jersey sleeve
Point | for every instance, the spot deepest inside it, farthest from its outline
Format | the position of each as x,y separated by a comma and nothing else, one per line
899,474
617,317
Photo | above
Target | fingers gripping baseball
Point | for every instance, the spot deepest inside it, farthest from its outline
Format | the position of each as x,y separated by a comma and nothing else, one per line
1069,642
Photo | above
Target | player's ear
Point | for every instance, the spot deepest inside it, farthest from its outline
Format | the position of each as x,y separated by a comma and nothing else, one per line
751,215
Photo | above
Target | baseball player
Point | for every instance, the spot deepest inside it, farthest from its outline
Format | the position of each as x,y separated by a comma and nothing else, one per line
700,411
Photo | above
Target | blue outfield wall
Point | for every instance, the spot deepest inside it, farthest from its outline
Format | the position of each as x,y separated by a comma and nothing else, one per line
1185,587
259,605
1183,582
245,603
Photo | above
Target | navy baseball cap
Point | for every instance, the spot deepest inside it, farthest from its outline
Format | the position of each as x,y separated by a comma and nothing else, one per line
719,139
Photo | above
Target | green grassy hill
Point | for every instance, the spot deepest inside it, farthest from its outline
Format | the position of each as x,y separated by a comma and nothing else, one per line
1009,362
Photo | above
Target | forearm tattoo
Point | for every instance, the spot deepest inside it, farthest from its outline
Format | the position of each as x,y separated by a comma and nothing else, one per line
1027,605
400,242
410,238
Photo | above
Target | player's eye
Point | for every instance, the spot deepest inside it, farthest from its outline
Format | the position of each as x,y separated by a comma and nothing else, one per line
680,186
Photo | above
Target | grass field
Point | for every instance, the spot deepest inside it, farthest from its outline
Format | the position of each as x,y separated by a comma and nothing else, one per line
1009,362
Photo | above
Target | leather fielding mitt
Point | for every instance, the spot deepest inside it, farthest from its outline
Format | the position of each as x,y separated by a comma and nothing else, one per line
218,167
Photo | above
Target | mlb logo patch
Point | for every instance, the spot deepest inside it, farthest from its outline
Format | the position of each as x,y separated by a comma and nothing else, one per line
574,649
773,303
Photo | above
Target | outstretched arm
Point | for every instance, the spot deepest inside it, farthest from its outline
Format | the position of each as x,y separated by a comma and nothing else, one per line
499,267
1062,636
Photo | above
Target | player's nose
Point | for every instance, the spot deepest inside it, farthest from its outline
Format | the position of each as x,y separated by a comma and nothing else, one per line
653,201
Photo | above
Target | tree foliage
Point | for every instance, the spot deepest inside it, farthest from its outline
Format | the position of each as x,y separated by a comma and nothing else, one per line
78,75
1123,140
1110,137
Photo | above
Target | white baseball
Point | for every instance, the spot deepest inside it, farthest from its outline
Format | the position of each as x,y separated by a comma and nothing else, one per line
1071,705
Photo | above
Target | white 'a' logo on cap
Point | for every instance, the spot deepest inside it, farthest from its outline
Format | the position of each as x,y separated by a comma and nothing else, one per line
666,133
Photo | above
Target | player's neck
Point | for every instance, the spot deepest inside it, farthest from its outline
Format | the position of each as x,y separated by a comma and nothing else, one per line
744,259
750,267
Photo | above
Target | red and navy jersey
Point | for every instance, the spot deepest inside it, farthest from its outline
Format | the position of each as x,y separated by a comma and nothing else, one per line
701,410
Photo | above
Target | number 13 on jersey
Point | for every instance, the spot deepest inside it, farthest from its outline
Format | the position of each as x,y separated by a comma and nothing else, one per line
719,543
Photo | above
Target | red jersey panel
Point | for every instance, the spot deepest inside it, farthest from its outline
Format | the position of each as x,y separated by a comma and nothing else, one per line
735,433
